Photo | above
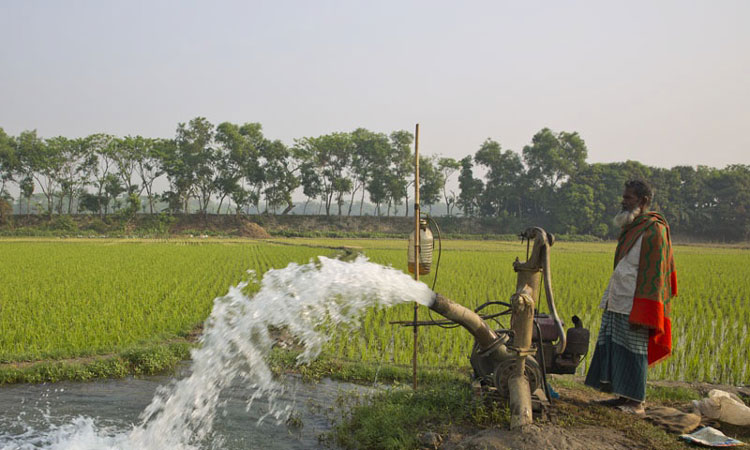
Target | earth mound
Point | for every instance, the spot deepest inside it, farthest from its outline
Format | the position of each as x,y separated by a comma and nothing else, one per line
253,230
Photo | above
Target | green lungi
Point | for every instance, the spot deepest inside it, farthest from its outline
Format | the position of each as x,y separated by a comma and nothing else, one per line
620,360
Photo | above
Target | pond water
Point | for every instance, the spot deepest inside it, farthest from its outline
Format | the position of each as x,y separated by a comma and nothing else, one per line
70,415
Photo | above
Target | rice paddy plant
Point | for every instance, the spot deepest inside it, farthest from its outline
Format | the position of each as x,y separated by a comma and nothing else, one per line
78,298
61,299
710,316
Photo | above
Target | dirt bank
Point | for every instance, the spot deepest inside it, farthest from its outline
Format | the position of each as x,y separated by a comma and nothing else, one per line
576,422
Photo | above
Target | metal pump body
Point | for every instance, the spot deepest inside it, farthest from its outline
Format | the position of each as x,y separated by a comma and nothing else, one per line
515,361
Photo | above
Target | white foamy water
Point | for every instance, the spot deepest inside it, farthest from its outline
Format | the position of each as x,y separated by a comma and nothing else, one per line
309,301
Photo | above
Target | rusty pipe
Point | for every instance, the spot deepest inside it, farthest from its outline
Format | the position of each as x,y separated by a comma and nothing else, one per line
539,260
467,318
519,391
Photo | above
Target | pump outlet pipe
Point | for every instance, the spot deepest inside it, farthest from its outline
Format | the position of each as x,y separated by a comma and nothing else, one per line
467,318
496,351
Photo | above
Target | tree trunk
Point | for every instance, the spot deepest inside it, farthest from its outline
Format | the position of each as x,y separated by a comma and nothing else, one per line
221,201
329,200
351,201
362,199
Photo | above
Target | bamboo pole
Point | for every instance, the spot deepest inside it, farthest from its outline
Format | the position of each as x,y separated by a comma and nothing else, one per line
417,248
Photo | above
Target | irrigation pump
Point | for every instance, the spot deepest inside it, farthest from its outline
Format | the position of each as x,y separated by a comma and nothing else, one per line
515,361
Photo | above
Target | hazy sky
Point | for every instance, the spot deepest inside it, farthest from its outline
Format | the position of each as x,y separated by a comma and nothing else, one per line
661,82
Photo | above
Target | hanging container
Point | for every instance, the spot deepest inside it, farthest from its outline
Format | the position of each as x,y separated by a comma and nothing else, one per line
426,244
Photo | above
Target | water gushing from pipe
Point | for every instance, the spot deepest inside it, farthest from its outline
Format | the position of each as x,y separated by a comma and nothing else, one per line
308,301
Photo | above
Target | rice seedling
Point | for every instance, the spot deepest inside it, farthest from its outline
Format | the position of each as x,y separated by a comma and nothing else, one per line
62,299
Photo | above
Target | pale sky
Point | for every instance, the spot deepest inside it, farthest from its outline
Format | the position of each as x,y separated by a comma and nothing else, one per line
662,82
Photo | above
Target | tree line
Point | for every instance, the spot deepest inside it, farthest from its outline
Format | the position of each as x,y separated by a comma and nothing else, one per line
232,168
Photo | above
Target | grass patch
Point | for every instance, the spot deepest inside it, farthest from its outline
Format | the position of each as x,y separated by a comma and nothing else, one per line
670,394
394,418
285,360
149,360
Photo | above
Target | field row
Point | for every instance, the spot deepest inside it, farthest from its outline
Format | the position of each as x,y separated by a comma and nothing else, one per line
78,298
62,299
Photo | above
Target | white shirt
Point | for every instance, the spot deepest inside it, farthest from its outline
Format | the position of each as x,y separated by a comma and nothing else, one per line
618,297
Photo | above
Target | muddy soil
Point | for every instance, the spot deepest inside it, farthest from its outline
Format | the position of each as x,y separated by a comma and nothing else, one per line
575,423
543,437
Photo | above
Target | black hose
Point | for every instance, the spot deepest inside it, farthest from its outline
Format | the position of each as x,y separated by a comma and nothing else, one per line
543,362
431,222
440,250
494,316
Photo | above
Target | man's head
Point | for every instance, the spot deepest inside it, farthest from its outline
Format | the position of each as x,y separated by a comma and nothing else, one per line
636,199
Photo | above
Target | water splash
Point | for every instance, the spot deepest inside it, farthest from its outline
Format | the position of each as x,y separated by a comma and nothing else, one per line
308,300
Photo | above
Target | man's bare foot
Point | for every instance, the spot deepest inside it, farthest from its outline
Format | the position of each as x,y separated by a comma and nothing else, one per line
633,407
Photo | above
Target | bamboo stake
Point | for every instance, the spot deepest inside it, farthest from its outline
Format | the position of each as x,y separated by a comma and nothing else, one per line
417,248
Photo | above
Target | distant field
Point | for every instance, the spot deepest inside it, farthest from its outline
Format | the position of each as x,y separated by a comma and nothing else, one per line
71,298
81,297
710,315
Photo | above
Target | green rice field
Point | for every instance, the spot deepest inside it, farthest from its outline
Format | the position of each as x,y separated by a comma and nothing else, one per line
71,298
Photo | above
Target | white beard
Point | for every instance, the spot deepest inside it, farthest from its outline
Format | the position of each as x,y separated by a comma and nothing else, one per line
626,217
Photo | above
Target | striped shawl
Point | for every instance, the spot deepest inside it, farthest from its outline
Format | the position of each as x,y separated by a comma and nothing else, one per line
656,283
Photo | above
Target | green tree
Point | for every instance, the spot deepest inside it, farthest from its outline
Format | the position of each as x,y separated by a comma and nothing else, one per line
551,159
470,188
232,152
26,186
730,205
112,189
149,154
189,165
127,156
240,175
401,172
194,145
371,157
280,174
576,210
448,166
606,182
431,181
325,160
9,164
75,170
90,202
42,160
99,150
504,181
312,183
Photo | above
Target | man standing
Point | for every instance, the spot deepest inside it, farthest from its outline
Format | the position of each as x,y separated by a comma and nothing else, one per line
636,330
